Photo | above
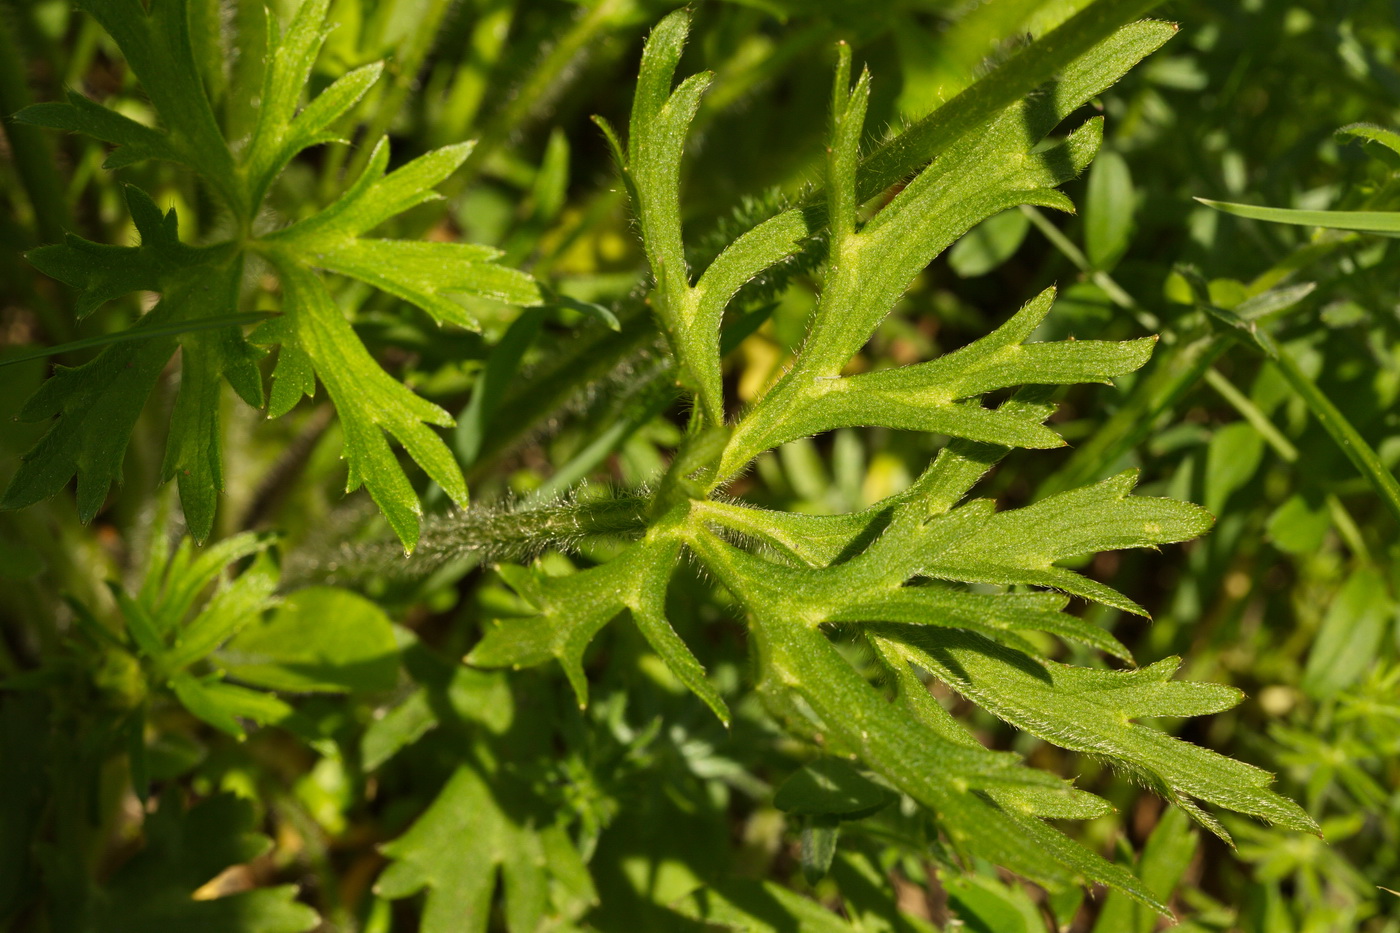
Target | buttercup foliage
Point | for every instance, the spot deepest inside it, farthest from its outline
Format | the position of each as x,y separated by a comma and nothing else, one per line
888,570
100,401
830,439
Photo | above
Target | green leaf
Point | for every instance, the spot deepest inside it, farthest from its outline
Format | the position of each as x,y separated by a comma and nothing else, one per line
222,705
95,406
233,607
472,696
144,333
1373,133
808,683
281,132
1108,211
831,787
1342,431
373,198
868,271
171,590
1387,222
1379,142
501,366
368,400
758,249
574,608
1164,862
98,402
989,244
994,616
933,396
420,272
1347,644
1022,545
155,39
101,401
651,167
1090,52
183,850
1299,525
425,273
656,138
319,640
988,906
471,832
148,638
818,846
898,577
102,273
1092,712
1232,458
135,142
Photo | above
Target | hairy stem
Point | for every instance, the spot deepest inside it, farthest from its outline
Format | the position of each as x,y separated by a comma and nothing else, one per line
479,534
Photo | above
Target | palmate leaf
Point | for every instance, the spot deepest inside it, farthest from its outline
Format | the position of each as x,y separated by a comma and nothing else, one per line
419,272
896,576
869,269
574,608
317,341
97,404
488,827
465,839
315,338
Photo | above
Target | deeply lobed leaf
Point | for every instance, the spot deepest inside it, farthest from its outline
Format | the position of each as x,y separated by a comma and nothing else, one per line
100,402
900,574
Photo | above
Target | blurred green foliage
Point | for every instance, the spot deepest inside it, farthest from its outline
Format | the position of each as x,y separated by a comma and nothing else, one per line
288,768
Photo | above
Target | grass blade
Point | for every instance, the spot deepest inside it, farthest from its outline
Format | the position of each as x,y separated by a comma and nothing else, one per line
1386,222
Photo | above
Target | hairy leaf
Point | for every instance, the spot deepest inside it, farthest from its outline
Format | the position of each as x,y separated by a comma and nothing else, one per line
898,574
369,401
1091,712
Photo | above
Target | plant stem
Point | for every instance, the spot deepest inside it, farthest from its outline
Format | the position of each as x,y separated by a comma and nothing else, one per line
588,358
1288,453
1031,67
1115,292
1337,425
480,533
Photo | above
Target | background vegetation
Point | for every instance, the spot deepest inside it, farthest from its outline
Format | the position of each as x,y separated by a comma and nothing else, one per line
385,782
